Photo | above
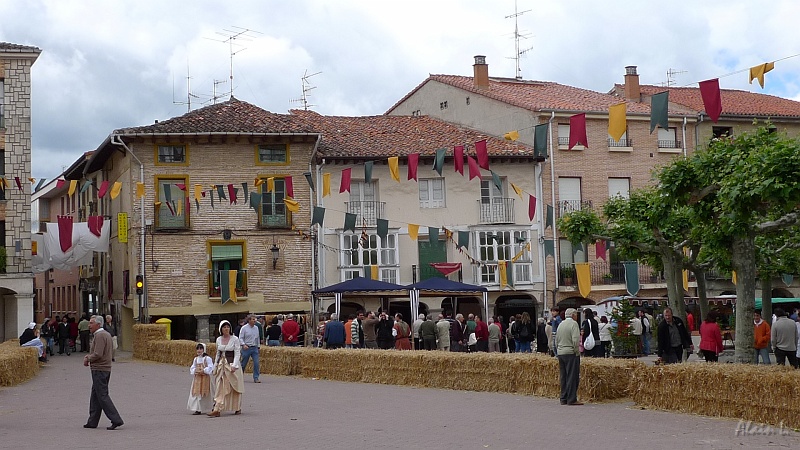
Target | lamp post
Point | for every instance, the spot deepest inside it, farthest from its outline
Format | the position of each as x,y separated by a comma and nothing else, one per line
275,253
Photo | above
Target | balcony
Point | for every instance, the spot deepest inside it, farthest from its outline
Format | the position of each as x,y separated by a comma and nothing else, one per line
607,273
669,144
620,143
496,210
563,141
568,206
214,290
367,212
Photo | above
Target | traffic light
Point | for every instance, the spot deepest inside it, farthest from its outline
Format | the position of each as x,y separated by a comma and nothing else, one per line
139,284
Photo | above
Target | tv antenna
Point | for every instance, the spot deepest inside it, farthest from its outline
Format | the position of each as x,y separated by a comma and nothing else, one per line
214,95
671,75
232,37
517,52
306,86
189,95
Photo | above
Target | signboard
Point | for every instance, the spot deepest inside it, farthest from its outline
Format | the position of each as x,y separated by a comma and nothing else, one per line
122,227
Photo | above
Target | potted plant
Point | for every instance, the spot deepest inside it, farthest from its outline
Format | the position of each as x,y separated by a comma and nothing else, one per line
608,278
567,274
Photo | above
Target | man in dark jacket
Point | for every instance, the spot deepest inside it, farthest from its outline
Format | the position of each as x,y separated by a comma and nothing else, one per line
334,333
455,333
673,338
63,336
427,332
383,332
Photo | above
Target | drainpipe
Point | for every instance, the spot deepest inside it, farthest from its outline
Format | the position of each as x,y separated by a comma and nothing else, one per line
143,316
315,243
553,200
684,136
321,237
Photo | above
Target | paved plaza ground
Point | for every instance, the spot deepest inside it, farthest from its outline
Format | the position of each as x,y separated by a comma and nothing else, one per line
301,413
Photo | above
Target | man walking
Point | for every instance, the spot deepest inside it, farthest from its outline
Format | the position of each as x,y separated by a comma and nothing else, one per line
784,339
673,338
249,337
99,361
568,339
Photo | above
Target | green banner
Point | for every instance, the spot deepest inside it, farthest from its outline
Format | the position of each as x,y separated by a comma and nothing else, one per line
540,140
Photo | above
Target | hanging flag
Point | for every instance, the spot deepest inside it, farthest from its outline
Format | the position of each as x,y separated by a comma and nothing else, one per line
577,131
245,192
463,239
211,195
289,184
497,182
291,205
270,184
326,184
474,170
521,253
659,111
95,224
179,209
345,184
617,122
458,158
59,183
394,169
350,222
759,71
733,277
600,249
540,140
72,185
258,181
482,154
115,189
438,161
373,271
517,190
255,200
584,275
318,216
232,275
511,135
549,248
32,180
382,228
225,286
309,180
231,194
19,184
181,186
787,278
65,232
413,231
446,268
368,171
433,235
631,277
413,161
685,277
501,269
3,184
39,184
220,192
549,220
712,102
101,192
85,186
139,190
171,209
531,207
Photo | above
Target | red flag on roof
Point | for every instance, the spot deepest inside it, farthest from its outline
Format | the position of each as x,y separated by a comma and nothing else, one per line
577,131
413,161
458,158
482,154
712,102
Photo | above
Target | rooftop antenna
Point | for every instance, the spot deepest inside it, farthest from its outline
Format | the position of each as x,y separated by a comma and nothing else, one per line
671,75
517,52
231,38
189,95
306,86
214,95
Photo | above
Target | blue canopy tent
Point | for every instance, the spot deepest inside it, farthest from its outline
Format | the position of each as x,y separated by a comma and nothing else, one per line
362,287
436,287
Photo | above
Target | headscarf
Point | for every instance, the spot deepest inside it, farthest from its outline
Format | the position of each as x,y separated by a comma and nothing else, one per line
223,323
32,325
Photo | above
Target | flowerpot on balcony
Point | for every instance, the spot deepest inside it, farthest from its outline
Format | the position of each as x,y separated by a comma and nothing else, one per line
608,279
568,281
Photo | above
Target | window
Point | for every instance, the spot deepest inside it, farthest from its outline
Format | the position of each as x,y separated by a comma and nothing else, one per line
172,154
720,132
494,207
363,203
619,187
569,195
622,142
667,138
273,210
431,193
2,98
226,256
172,213
496,246
360,251
272,154
568,254
563,135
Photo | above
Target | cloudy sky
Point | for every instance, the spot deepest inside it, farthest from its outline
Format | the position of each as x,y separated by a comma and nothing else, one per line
108,64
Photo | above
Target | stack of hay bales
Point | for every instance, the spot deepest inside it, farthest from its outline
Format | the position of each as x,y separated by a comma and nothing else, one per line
762,394
281,360
17,364
144,335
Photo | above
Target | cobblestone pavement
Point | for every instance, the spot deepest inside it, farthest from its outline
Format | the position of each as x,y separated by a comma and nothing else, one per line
299,413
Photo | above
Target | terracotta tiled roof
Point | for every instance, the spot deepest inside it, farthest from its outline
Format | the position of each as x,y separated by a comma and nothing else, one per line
536,95
8,47
734,102
233,116
382,136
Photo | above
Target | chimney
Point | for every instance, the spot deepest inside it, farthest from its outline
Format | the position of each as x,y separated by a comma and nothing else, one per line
632,91
481,70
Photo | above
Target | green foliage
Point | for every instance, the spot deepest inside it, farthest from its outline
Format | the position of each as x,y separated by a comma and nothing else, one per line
625,342
3,260
581,226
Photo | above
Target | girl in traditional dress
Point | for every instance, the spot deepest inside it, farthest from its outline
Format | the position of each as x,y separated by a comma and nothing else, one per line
228,380
201,396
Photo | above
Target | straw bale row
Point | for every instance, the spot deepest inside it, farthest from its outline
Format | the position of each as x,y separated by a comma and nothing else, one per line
17,364
762,394
143,336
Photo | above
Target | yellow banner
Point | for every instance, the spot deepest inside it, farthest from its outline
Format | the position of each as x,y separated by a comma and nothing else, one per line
232,283
394,170
326,184
413,231
115,189
72,185
733,277
198,191
685,280
291,205
270,184
373,271
517,189
584,276
122,227
501,268
617,123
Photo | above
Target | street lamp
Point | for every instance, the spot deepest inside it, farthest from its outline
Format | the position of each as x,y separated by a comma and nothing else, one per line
275,254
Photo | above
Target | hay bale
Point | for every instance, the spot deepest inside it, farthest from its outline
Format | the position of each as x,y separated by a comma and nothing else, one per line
144,335
17,364
762,394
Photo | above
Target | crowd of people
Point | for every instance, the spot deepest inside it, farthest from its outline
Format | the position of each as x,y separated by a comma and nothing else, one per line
68,332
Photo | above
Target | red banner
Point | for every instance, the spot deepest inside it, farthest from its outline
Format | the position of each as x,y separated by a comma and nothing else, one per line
446,268
95,224
413,161
474,170
712,102
482,154
458,158
65,232
577,131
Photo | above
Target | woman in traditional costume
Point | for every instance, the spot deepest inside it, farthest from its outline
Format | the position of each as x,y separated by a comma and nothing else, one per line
201,396
402,332
228,380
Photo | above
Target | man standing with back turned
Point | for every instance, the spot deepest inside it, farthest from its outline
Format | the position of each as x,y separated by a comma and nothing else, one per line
99,361
568,339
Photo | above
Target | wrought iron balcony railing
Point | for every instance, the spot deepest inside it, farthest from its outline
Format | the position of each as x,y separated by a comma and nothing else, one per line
367,212
496,210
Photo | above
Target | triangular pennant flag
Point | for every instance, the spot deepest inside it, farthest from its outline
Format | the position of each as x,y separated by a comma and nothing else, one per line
382,228
438,161
368,171
549,248
549,220
433,235
463,239
32,180
95,224
345,184
255,200
584,276
198,189
196,203
413,162
171,209
245,192
540,140
39,184
497,182
394,168
139,190
617,122
220,192
631,277
511,135
600,249
759,71
85,186
458,158
326,184
482,154
258,182
350,222
474,170
318,216
787,278
179,209
577,131
446,268
685,276
659,111
501,269
73,184
291,205
234,195
181,186
517,190
115,189
413,231
101,192
287,181
712,102
2,184
211,195
270,184
531,207
59,183
310,181
19,183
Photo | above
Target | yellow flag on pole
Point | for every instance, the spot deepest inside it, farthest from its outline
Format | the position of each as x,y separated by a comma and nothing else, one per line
394,170
413,231
617,122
